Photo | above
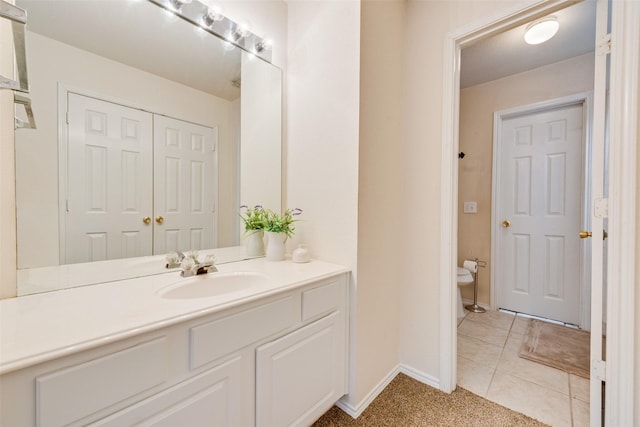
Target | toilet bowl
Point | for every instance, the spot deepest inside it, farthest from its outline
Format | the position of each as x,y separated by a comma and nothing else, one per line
464,278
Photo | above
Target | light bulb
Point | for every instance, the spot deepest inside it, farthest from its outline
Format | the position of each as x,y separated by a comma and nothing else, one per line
265,44
541,30
213,14
177,4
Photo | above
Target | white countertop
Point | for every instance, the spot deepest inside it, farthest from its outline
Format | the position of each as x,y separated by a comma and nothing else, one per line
41,327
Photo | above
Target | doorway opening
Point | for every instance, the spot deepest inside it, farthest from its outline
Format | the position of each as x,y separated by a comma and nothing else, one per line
456,44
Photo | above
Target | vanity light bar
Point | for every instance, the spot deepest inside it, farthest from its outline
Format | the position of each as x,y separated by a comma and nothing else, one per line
211,20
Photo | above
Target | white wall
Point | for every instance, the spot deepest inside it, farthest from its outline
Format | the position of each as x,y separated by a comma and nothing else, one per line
322,125
261,134
322,132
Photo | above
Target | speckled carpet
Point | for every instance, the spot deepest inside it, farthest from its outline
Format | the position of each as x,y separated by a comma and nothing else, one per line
406,402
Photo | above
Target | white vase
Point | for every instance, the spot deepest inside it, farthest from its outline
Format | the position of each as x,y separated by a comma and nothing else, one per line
254,243
275,246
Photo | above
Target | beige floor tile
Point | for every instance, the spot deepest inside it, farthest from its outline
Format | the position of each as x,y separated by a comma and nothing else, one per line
520,325
580,388
460,319
514,342
478,351
541,403
492,318
474,376
545,376
580,411
483,332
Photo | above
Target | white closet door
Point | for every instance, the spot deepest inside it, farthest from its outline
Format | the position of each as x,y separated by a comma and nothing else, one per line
185,185
109,190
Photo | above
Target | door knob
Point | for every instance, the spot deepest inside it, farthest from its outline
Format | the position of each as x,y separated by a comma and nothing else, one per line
585,234
159,219
506,223
146,220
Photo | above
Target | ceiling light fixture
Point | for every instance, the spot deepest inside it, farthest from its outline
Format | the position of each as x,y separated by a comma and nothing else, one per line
541,30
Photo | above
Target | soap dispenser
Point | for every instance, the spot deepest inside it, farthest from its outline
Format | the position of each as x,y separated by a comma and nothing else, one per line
300,254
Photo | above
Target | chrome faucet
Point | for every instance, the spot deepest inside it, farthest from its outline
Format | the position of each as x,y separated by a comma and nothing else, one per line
193,265
173,259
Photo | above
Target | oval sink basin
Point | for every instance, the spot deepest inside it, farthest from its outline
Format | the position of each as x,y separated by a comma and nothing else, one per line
212,284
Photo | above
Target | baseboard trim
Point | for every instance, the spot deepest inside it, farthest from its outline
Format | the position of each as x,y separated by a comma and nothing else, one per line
356,411
420,376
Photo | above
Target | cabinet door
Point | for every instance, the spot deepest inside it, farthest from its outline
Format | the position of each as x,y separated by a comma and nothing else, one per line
301,375
209,399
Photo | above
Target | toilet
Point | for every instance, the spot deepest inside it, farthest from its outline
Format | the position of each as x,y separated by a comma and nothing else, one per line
464,278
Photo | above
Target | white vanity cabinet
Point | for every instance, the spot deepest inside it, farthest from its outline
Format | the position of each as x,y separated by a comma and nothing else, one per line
274,361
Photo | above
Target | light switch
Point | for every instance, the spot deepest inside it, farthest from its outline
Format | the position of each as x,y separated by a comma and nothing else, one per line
470,207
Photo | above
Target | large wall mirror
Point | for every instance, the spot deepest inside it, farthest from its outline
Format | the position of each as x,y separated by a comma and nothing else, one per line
151,133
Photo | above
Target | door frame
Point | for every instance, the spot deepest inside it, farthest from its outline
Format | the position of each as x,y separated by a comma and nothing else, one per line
585,99
625,66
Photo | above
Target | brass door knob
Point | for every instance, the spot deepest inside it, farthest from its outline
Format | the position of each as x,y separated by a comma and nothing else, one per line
506,223
159,219
585,234
146,220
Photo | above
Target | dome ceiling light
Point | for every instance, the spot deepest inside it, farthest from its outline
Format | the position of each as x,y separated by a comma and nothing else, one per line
541,30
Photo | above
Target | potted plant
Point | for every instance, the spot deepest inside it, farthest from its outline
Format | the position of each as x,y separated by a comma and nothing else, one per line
253,219
278,227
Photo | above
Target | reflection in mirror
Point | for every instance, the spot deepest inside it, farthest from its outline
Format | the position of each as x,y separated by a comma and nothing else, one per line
151,133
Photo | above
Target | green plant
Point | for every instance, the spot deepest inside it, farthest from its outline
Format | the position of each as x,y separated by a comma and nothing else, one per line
277,223
253,218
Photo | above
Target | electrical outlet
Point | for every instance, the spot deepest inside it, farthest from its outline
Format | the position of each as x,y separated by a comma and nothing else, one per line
470,207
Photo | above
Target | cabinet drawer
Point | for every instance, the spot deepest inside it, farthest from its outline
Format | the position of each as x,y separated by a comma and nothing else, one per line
212,398
74,393
218,338
323,299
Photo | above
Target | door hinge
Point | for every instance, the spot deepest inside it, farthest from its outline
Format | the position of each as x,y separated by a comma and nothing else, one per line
601,208
598,369
604,45
67,205
66,118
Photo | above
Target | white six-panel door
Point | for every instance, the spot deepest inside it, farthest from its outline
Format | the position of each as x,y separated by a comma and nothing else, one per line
109,192
539,213
184,185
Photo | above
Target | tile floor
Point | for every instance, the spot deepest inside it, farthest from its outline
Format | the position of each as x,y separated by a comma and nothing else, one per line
488,365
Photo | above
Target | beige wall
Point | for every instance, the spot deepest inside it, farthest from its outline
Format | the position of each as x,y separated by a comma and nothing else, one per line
427,24
7,170
322,137
477,105
380,192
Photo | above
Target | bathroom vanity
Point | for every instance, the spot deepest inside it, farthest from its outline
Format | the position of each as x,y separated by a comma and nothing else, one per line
257,343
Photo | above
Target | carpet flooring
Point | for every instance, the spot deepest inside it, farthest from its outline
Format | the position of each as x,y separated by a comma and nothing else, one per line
557,346
406,402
